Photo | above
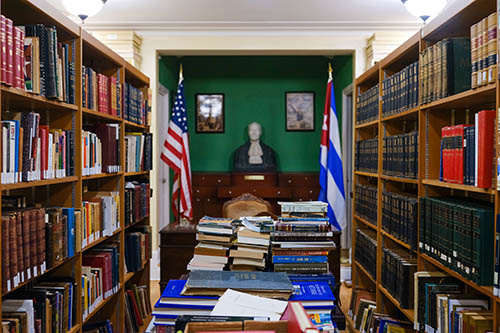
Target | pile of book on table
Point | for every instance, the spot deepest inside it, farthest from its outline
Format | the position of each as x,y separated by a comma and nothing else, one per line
201,297
215,236
302,238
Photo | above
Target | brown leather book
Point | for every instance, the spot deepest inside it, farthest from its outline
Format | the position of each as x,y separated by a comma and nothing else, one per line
13,245
26,242
5,252
40,226
33,244
19,238
78,231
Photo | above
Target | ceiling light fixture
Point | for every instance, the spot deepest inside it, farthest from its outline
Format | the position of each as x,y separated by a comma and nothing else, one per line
83,8
424,9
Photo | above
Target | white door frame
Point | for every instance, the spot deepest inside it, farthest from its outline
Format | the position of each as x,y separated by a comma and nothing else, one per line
347,123
163,217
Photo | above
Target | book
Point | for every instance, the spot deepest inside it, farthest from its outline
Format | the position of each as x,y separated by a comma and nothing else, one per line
137,201
366,155
485,134
138,147
403,82
366,205
397,275
399,216
298,320
137,248
313,295
367,105
400,155
366,250
172,295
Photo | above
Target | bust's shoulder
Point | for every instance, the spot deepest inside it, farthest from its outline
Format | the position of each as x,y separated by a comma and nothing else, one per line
244,146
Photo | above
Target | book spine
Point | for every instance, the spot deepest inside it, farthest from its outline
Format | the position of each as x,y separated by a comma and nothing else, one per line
9,29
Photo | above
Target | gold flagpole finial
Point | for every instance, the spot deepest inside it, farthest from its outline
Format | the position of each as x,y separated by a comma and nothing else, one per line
180,71
330,70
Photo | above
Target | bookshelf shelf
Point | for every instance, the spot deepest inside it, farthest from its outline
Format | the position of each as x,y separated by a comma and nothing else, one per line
138,173
134,126
483,96
128,276
14,98
470,188
350,324
365,222
137,222
367,124
101,305
146,324
409,313
75,329
134,76
99,115
396,240
37,183
365,272
26,282
370,77
401,115
486,290
366,174
100,240
102,175
399,179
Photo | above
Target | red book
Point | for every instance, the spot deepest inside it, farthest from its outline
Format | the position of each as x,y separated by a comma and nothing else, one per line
135,308
298,319
18,58
5,252
112,95
101,260
19,236
13,245
445,150
9,27
26,242
454,133
486,126
3,42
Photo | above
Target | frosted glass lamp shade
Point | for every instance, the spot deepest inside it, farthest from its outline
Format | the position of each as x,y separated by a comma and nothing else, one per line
424,9
83,8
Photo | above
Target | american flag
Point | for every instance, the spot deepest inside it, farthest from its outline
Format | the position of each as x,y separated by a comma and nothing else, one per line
331,176
175,152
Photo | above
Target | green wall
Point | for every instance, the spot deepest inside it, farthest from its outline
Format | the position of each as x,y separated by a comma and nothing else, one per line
254,90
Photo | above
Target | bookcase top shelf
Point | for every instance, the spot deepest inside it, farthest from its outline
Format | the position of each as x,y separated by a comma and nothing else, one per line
96,51
405,54
370,77
483,96
134,76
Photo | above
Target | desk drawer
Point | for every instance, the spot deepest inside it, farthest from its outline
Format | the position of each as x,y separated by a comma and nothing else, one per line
270,192
298,179
211,179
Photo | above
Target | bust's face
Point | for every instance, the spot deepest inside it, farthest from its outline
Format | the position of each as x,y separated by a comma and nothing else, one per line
254,131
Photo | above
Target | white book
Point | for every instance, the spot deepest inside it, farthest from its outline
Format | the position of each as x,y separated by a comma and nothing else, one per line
21,305
5,158
12,157
141,152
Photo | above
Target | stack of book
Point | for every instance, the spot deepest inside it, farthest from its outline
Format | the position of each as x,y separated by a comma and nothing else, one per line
137,307
483,40
215,236
366,157
365,250
31,151
48,306
250,250
400,216
398,267
137,248
400,155
100,215
441,305
445,69
400,90
34,60
173,304
139,149
137,201
34,240
100,272
137,104
101,149
367,105
366,205
464,243
462,162
101,93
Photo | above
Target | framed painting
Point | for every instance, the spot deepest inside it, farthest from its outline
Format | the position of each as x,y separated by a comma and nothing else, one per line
299,111
209,113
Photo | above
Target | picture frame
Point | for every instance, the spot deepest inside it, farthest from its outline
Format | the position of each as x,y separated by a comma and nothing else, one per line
299,115
210,117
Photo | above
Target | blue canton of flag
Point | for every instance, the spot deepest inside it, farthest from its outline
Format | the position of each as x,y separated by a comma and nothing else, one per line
331,176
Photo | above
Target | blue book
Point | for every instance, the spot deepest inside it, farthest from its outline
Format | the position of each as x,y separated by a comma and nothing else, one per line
70,231
299,259
171,297
313,295
328,277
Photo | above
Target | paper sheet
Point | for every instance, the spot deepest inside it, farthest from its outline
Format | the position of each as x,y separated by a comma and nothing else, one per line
235,303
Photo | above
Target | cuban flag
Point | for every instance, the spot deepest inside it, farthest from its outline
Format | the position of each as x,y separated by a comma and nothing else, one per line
331,176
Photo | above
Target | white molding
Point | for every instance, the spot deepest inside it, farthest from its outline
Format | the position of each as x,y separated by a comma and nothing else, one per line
155,265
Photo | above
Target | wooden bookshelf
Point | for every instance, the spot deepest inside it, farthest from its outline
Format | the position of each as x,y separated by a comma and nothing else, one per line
427,119
69,191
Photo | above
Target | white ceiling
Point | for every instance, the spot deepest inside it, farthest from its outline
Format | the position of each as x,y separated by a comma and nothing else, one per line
251,15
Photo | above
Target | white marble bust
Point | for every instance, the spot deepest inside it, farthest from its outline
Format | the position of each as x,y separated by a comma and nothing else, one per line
254,155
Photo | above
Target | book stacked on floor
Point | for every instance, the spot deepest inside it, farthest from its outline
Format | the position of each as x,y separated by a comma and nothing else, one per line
367,105
398,267
365,250
463,243
366,205
98,327
100,271
31,151
366,155
467,151
400,155
173,304
34,240
136,104
137,307
100,92
483,40
48,306
139,150
215,236
301,245
445,69
34,60
100,215
137,247
137,201
101,149
441,305
400,216
249,251
400,90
